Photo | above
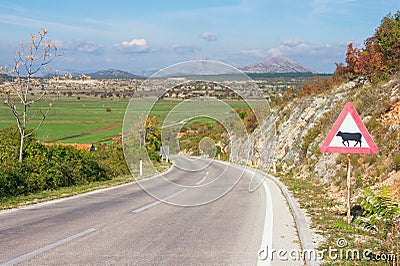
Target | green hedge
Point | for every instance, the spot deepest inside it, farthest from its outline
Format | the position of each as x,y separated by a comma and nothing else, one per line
51,167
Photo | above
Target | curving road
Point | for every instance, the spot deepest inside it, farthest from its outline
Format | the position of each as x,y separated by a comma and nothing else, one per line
126,226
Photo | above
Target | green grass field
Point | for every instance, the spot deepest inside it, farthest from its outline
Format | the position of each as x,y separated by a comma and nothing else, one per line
76,121
87,121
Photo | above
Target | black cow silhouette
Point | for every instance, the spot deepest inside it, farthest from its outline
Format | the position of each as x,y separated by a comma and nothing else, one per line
349,136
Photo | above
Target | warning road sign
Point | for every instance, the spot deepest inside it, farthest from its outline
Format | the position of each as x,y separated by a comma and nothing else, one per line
349,134
223,149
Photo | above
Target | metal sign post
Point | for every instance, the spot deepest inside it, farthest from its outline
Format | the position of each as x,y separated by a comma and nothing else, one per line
348,208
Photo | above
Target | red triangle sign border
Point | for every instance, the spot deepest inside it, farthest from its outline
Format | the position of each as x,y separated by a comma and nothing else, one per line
349,108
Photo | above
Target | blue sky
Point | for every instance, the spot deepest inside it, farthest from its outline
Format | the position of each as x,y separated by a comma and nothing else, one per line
142,35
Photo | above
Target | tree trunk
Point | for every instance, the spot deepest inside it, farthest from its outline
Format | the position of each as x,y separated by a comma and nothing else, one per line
21,147
23,127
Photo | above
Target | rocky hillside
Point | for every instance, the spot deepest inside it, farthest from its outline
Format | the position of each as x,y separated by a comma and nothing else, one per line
275,65
303,119
317,180
302,125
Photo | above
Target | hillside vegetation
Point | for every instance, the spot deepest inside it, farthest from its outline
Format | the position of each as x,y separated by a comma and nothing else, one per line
52,167
370,79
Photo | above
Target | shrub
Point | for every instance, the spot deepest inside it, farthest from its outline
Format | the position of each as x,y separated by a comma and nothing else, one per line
45,167
380,215
111,158
12,179
396,161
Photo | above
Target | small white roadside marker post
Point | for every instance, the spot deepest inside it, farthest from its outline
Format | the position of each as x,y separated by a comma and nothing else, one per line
274,166
141,167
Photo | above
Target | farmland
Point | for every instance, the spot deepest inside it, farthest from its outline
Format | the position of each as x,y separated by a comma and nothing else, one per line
92,111
76,121
90,119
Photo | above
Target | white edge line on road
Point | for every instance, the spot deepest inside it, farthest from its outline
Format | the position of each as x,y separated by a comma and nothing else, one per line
269,215
47,248
303,230
148,206
202,180
268,227
302,227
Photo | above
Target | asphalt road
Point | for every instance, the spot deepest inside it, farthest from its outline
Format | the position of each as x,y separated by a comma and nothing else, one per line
127,226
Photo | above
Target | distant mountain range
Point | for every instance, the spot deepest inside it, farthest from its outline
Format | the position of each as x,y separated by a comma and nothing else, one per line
267,66
275,65
4,77
112,74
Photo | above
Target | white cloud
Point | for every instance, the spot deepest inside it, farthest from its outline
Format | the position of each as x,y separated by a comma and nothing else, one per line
83,46
184,49
50,25
298,47
319,7
321,57
134,46
292,42
292,47
98,22
209,36
254,53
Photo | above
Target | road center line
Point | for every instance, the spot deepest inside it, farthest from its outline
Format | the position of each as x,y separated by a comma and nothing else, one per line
202,180
47,248
148,206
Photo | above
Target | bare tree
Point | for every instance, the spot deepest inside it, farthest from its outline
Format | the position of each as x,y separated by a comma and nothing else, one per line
25,89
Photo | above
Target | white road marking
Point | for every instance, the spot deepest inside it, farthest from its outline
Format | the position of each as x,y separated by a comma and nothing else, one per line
268,220
204,178
268,227
148,206
47,248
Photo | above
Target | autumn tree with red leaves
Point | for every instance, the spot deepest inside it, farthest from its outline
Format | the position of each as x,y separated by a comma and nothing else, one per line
379,57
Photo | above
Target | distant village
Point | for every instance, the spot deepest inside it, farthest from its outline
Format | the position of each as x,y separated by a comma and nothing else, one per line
172,88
